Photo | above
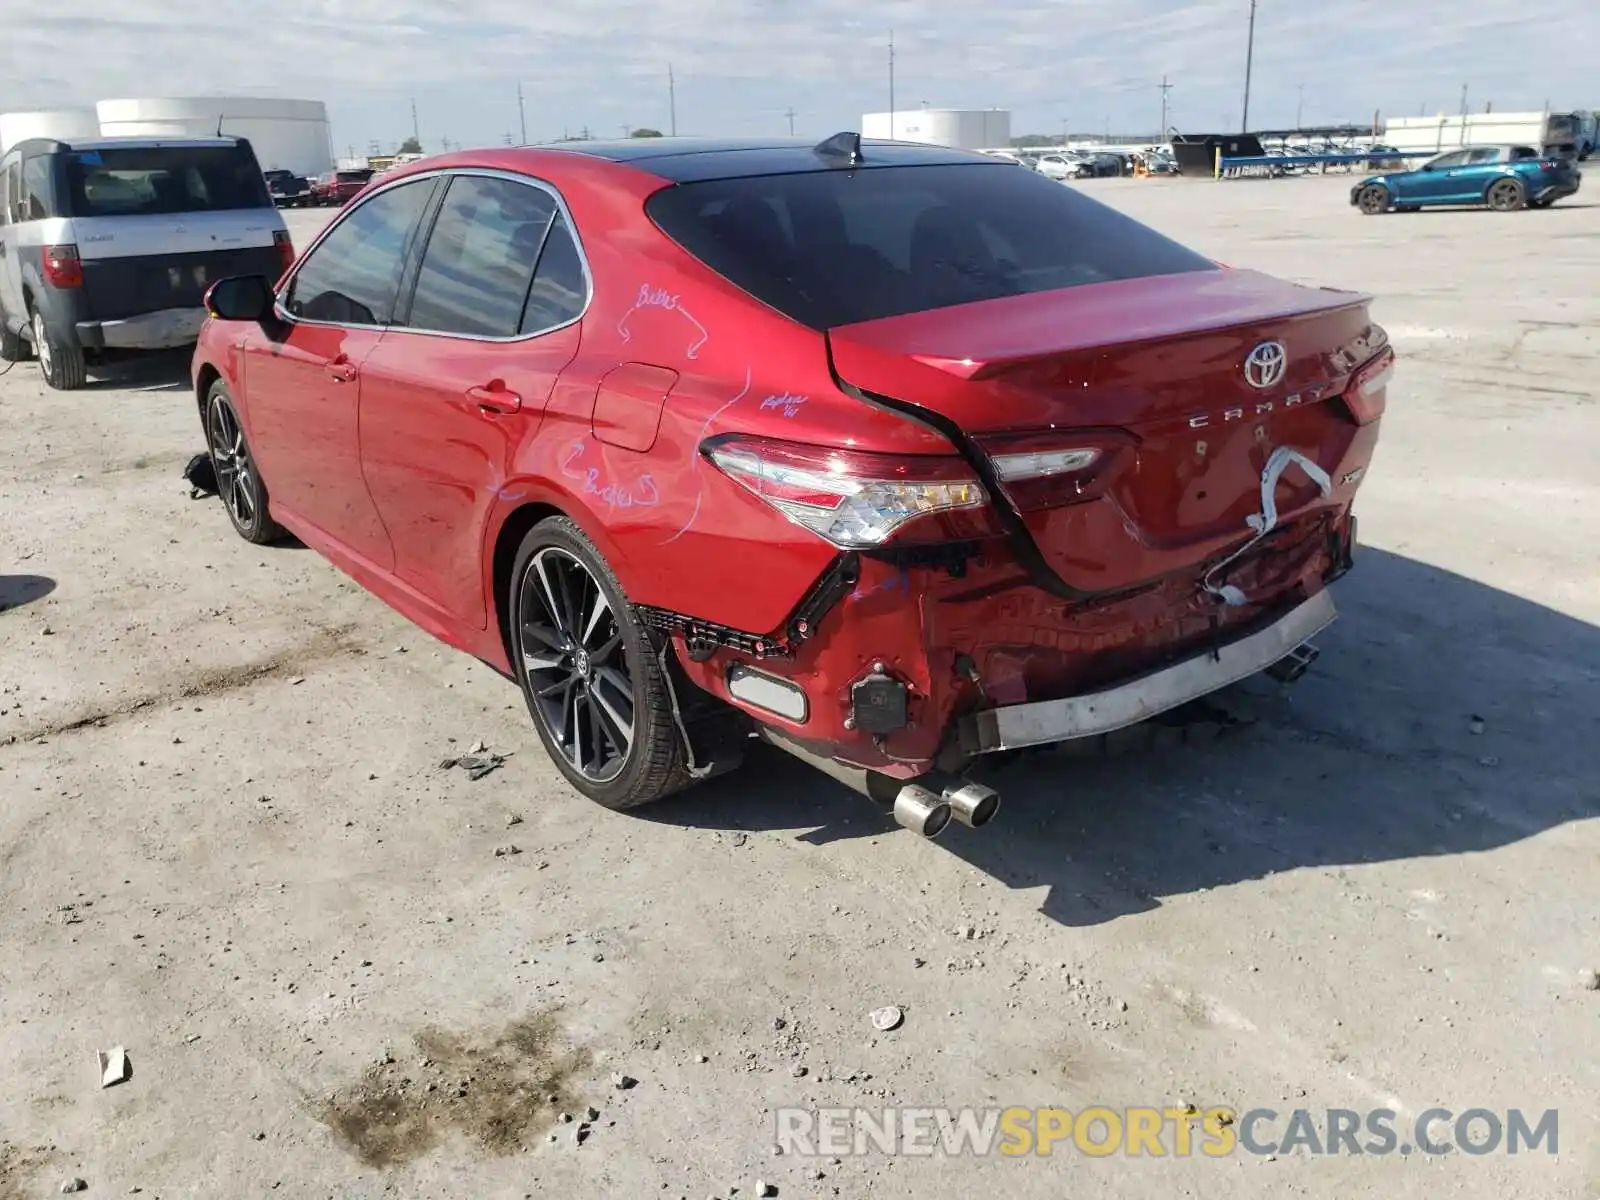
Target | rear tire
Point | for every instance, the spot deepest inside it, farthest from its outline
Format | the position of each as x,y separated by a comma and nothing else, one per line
61,360
1373,200
1507,195
590,672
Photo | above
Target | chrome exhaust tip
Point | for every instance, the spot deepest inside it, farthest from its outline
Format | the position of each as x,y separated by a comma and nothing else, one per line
972,804
921,811
1294,664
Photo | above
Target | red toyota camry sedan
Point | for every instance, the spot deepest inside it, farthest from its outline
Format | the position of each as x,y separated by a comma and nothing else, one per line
892,455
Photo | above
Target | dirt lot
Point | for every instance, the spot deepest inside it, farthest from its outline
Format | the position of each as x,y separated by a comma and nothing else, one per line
226,843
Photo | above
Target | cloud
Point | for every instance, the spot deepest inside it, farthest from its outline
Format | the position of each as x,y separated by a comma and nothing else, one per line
740,64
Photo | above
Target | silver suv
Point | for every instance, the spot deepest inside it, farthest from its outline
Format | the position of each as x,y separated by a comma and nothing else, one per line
109,245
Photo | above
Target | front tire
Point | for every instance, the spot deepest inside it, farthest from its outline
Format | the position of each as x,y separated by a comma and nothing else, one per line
589,671
1507,195
1374,199
61,360
239,484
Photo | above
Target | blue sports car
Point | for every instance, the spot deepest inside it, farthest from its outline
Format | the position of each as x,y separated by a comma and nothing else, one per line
1505,178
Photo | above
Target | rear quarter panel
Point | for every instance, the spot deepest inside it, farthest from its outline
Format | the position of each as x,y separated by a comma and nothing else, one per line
679,534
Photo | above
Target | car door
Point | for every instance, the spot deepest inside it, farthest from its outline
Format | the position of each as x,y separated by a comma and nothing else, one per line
1468,179
1432,183
304,383
456,385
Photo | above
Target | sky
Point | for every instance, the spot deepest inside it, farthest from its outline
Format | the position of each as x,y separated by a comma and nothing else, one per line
742,65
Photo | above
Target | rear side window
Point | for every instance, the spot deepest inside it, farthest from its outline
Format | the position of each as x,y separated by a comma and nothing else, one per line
38,198
163,180
560,287
353,275
835,247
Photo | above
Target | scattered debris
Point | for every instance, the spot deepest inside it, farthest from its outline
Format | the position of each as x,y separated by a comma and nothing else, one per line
798,1071
778,1024
477,764
738,839
886,1018
591,1113
623,1082
74,1185
763,1188
114,1067
701,1058
512,820
477,748
1476,725
1589,978
506,851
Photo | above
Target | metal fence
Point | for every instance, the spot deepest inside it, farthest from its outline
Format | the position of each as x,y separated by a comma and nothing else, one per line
1266,166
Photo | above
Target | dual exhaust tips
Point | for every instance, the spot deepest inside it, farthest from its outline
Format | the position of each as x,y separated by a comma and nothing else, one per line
924,811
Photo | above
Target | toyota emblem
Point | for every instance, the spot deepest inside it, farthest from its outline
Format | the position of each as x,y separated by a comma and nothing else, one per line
1266,364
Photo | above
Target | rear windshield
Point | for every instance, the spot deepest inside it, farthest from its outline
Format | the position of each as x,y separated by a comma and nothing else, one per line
165,179
835,247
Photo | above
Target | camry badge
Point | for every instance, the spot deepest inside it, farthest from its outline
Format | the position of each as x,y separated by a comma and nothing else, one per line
1265,365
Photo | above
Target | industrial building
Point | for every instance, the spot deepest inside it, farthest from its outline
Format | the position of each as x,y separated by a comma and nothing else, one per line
290,134
961,128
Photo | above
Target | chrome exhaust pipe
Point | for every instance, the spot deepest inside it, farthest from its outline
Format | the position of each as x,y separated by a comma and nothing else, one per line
971,803
1294,664
921,811
923,805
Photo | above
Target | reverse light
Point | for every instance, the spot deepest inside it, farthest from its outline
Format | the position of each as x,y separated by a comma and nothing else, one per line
1368,393
853,499
1049,468
285,248
62,267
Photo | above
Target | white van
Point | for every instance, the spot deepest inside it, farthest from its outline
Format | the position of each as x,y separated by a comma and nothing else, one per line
108,245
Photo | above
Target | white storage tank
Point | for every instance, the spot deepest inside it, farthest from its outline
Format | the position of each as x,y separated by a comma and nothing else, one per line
962,128
286,134
63,124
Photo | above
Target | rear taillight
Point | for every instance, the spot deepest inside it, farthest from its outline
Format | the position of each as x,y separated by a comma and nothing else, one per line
285,248
855,499
1049,468
1368,393
62,267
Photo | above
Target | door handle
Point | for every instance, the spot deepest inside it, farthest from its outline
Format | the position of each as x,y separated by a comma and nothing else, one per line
341,369
495,399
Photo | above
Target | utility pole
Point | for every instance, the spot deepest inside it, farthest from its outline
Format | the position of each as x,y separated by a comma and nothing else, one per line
1165,88
416,131
522,115
1300,107
791,115
672,102
1463,99
891,85
1249,62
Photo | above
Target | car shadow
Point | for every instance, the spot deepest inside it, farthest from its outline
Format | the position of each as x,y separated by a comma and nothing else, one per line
162,371
1443,717
17,590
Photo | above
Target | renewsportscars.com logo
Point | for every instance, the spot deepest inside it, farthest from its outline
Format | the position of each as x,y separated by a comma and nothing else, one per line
1149,1132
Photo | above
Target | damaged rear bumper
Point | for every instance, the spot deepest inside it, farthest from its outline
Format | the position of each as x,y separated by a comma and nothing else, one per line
1045,721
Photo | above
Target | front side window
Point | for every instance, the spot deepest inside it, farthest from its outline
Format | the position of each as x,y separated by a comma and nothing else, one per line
830,248
1456,158
480,257
1487,154
353,275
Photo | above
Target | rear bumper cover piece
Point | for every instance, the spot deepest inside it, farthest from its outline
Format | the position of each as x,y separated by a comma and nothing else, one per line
1046,721
164,330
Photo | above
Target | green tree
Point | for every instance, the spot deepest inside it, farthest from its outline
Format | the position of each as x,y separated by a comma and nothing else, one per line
646,133
410,146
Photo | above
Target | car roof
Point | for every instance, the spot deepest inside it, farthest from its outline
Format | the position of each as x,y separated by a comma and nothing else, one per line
55,145
691,160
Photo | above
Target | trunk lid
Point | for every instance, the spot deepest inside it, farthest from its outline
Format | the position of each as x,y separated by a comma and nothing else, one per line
1151,371
145,263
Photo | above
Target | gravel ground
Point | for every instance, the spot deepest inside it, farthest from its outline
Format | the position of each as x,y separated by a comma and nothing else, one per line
226,843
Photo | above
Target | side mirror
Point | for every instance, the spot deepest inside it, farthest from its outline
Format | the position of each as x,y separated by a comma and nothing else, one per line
240,298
